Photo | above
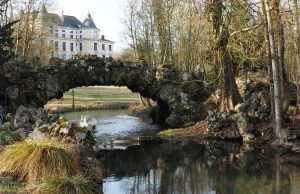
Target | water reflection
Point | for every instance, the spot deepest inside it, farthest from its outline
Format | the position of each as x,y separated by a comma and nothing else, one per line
185,167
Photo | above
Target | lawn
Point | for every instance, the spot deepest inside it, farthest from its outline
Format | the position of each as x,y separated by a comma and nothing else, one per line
95,97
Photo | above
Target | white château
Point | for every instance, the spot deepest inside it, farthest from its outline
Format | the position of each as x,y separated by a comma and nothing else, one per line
69,36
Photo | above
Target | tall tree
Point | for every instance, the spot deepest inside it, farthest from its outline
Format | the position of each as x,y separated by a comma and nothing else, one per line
219,17
297,47
277,124
6,38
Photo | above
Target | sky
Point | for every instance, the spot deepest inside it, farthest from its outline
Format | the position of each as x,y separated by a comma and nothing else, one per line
107,15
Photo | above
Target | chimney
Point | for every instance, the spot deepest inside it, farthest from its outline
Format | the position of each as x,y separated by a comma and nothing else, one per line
102,37
62,15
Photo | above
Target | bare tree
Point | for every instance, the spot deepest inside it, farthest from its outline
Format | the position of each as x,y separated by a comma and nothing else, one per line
297,47
277,125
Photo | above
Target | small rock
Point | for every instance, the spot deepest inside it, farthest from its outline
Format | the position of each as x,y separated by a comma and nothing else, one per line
276,143
22,132
36,135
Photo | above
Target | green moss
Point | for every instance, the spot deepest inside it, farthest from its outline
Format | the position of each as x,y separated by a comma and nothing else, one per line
168,132
44,129
13,188
77,128
8,136
62,122
5,126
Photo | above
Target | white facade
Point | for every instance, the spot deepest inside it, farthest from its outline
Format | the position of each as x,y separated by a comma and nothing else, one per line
69,36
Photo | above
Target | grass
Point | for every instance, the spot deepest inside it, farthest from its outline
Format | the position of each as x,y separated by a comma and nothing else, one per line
168,132
95,97
64,184
34,160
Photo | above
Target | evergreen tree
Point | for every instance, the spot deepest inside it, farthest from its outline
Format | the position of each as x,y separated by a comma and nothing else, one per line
6,39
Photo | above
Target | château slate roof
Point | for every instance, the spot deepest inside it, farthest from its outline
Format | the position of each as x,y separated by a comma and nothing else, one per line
67,20
71,21
89,22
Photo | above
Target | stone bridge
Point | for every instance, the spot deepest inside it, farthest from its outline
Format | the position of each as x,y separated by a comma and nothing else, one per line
179,96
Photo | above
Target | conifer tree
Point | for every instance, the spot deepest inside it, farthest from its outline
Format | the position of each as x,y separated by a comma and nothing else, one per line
6,39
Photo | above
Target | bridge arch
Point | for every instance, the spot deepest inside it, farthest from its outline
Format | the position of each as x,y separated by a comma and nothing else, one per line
32,84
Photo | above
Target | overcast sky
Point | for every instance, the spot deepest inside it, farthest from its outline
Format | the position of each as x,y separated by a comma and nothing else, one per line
107,15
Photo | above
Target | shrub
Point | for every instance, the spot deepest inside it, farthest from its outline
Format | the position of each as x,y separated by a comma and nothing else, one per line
33,160
63,184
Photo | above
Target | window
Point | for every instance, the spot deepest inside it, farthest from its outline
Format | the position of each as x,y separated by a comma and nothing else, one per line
63,35
71,32
80,46
56,34
80,36
63,31
103,47
109,47
95,46
71,36
64,46
51,29
71,47
103,56
80,32
56,45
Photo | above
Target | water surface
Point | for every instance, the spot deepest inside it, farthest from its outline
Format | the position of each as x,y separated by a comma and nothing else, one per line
138,162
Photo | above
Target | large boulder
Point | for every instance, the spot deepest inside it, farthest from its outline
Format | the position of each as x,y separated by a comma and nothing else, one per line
245,127
257,106
30,118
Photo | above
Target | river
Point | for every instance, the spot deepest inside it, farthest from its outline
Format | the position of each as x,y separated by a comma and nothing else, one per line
138,162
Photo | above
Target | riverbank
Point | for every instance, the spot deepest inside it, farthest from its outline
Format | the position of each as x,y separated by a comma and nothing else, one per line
289,136
94,98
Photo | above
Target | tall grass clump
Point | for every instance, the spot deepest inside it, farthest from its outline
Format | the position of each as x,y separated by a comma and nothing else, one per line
34,160
63,184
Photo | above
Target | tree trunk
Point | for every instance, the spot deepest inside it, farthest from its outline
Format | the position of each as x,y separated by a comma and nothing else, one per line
297,48
269,59
230,95
279,38
276,78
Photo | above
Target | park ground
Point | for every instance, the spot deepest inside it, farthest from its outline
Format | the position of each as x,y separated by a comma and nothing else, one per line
94,98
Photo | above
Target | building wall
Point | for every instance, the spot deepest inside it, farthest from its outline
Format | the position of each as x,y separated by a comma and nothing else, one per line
85,36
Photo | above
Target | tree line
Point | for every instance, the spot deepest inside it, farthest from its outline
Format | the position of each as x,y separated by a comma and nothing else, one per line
226,38
28,38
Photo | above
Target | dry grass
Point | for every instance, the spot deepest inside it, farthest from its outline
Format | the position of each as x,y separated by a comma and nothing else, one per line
199,129
64,184
34,160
